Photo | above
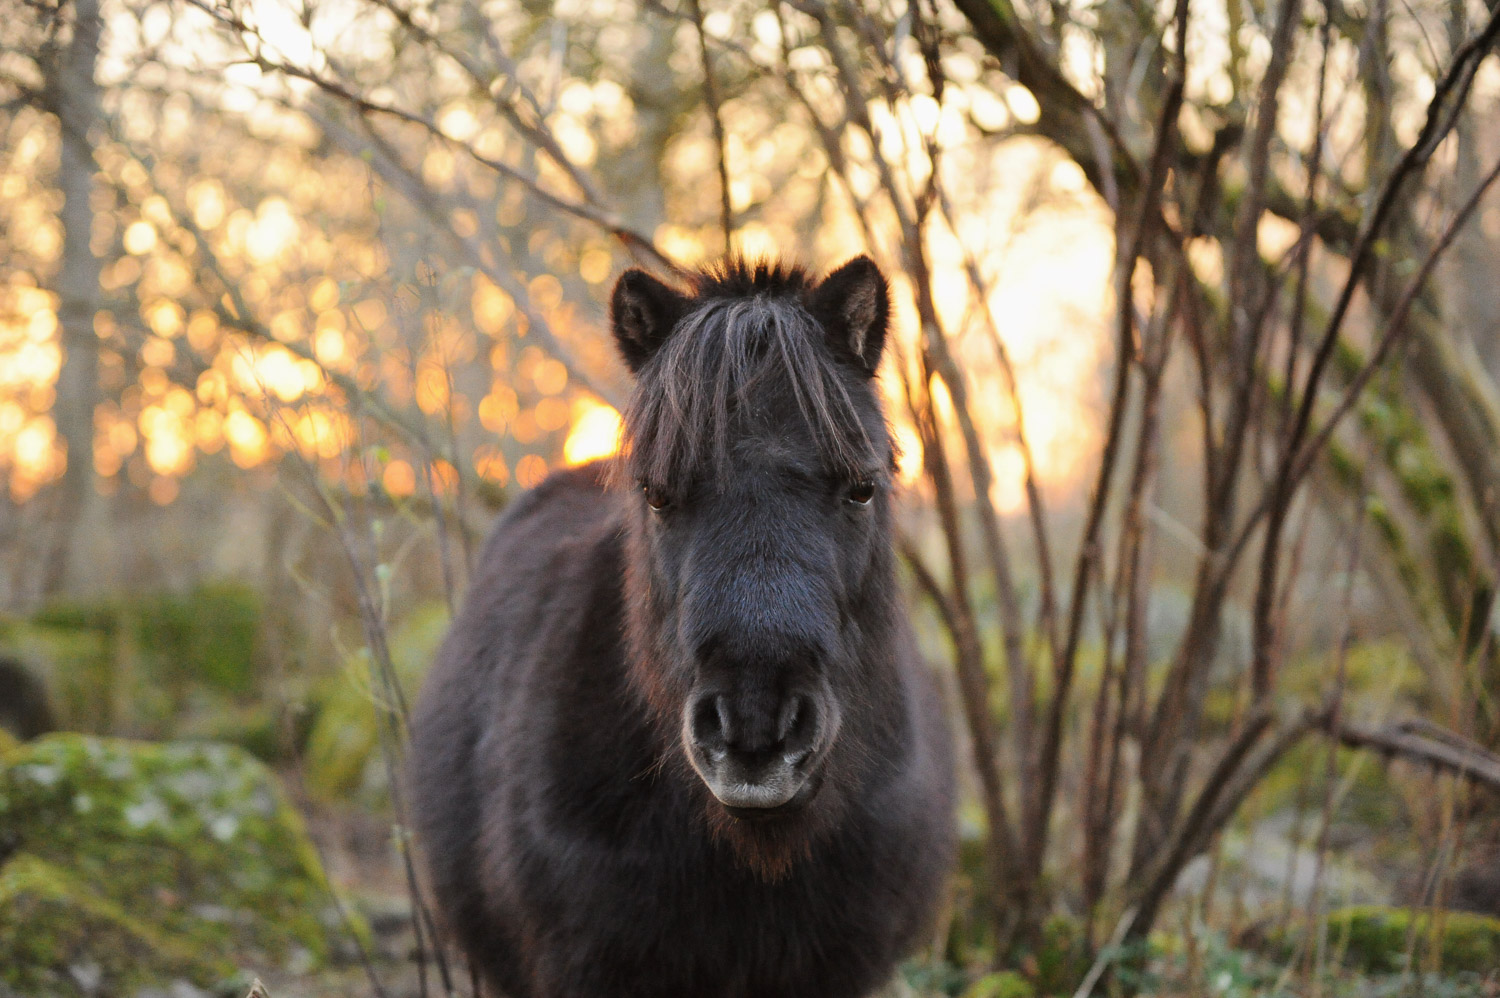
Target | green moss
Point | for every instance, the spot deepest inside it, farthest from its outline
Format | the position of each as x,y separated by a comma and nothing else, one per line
194,840
141,656
78,659
207,636
1005,984
1375,938
56,935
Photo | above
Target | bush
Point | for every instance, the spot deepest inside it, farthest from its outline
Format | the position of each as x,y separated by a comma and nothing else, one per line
343,756
145,656
1376,939
1005,984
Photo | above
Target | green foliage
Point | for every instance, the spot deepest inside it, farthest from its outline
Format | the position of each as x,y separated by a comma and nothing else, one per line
170,849
342,757
1062,957
1376,669
208,635
257,728
1210,960
971,932
1375,938
1003,984
933,977
1217,969
1135,966
143,658
1427,484
1369,800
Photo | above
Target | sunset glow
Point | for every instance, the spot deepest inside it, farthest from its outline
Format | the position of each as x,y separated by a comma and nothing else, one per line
595,433
293,236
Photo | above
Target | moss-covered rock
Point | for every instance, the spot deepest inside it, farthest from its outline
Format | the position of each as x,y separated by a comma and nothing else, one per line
1376,938
60,938
171,850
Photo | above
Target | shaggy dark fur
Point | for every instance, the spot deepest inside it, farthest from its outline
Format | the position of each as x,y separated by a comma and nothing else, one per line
679,742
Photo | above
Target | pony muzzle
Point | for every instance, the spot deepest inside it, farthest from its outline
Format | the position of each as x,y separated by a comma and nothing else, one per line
756,762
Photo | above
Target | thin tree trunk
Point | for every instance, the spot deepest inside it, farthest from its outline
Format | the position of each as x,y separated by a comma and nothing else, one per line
76,102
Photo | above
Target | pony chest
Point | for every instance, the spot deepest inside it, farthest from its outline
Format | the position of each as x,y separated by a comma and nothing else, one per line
656,878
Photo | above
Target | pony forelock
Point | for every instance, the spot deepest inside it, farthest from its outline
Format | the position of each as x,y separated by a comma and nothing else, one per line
727,359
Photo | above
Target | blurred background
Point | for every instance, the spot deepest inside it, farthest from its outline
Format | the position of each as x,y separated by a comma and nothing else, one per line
1194,377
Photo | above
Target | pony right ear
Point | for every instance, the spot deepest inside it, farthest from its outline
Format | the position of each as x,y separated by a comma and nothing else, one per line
854,305
643,312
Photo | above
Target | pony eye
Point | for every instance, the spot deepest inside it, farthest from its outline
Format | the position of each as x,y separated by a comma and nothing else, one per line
656,497
861,492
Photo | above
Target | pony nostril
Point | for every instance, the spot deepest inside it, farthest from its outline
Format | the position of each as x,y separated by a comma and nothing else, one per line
708,724
791,716
798,725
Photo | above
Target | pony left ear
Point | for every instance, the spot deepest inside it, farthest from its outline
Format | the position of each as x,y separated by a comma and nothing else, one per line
643,312
854,305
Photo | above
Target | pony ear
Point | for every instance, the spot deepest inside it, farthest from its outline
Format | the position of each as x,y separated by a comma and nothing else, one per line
854,306
643,312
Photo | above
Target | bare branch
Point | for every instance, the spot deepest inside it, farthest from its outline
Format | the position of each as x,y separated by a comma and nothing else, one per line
1090,550
716,120
1424,743
633,241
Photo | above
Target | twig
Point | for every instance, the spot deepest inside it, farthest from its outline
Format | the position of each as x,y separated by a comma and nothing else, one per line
238,314
1302,461
632,240
1454,85
716,120
1424,743
1090,550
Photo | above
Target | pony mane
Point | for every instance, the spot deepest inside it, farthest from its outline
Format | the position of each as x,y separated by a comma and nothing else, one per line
746,333
736,277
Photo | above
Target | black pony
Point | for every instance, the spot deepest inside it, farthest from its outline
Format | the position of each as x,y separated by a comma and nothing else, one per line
679,741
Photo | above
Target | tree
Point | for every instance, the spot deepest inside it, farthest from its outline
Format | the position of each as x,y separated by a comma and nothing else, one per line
75,101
